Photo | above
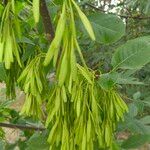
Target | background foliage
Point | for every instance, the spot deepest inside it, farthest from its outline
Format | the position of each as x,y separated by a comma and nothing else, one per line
114,24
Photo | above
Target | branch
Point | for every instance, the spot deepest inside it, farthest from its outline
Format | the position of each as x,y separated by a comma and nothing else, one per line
46,20
122,16
21,127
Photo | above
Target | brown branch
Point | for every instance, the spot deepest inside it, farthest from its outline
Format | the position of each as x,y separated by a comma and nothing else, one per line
122,16
21,127
46,20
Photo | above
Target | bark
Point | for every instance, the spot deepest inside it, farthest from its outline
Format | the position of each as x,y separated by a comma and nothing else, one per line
46,20
21,127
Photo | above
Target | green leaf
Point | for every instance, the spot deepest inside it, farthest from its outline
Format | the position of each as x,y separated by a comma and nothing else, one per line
132,55
133,110
107,81
2,72
2,145
58,2
136,126
129,80
146,101
29,51
145,120
136,141
136,95
125,78
107,28
38,140
22,145
26,40
10,146
115,146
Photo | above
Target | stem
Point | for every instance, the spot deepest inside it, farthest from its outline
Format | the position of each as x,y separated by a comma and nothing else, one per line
21,127
122,16
46,20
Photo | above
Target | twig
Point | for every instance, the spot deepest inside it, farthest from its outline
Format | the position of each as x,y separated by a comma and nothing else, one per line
122,16
21,127
46,20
